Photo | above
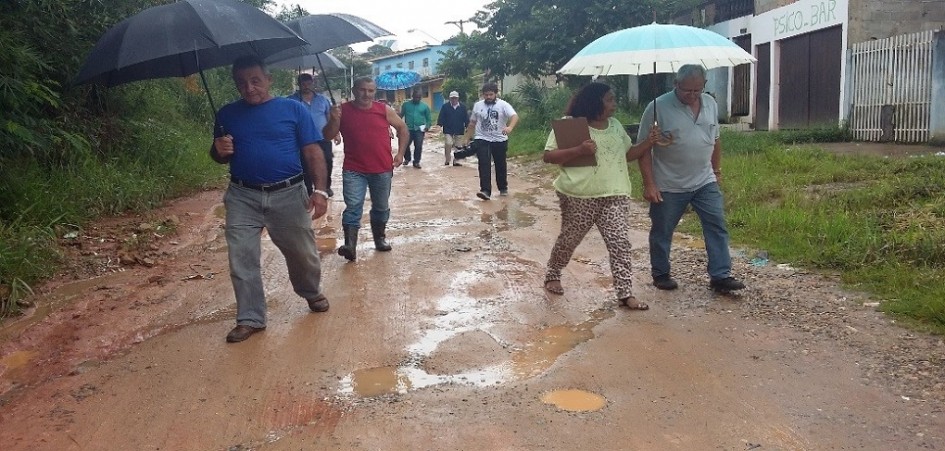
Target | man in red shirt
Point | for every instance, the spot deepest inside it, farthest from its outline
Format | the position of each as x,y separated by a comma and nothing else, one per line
368,162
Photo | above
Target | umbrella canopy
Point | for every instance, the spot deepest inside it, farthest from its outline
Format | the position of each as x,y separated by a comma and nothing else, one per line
327,31
655,48
324,61
183,38
397,79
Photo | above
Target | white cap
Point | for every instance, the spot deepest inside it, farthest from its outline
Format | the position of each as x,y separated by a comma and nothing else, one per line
454,94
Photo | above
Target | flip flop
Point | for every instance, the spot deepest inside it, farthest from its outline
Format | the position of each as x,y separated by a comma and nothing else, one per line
552,288
635,305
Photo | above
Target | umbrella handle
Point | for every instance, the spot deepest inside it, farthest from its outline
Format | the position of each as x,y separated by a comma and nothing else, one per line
325,77
209,97
206,88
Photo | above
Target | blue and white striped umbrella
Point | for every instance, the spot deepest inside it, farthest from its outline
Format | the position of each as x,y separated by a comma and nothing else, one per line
655,48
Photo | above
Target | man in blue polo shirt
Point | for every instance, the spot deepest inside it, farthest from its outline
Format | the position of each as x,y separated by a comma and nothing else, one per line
260,137
320,106
686,170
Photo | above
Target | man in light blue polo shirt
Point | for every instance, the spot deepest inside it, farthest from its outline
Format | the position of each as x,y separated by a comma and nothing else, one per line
686,171
319,105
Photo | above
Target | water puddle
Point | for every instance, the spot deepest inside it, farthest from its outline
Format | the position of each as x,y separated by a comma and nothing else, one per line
12,362
508,218
459,313
379,381
574,400
544,349
325,240
464,312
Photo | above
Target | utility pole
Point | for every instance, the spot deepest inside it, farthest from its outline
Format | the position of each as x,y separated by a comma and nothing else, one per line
458,23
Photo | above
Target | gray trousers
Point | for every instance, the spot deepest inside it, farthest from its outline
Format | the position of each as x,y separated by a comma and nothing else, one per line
284,215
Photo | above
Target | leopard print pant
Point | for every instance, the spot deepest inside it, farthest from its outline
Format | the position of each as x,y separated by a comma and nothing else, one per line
610,214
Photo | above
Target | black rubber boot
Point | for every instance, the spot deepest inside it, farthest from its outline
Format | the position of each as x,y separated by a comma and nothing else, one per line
351,243
380,242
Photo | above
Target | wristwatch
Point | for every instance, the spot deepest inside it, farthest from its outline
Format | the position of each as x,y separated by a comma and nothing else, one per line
320,192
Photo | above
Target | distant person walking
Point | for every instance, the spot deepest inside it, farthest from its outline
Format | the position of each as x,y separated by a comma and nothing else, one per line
260,137
319,106
368,163
491,122
596,195
417,116
686,172
453,118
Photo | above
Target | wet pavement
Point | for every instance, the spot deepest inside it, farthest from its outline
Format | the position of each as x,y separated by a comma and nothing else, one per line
449,342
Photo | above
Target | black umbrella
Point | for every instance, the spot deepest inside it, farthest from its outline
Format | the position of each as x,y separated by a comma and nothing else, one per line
181,39
325,32
325,60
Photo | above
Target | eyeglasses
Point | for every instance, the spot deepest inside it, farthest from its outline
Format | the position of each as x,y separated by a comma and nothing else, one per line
690,91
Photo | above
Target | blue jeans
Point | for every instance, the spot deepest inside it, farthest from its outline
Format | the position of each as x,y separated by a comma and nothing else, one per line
284,214
708,204
354,185
416,137
488,152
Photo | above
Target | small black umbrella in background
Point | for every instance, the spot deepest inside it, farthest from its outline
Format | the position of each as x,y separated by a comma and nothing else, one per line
325,32
326,61
181,39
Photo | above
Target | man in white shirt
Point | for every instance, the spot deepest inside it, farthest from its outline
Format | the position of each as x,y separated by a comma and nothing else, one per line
491,122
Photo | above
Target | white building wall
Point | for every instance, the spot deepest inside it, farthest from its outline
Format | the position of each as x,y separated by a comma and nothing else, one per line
800,17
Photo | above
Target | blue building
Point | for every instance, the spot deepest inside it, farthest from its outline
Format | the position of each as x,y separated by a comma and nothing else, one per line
423,60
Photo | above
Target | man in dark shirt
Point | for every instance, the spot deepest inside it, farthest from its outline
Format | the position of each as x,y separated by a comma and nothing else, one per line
453,118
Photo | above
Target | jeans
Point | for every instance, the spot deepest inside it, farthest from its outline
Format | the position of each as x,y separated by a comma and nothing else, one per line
354,185
487,152
329,158
708,204
416,137
284,214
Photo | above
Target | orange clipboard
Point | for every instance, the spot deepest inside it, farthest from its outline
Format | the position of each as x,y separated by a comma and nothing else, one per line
572,132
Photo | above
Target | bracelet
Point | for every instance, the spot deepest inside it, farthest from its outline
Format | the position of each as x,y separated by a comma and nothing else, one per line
320,192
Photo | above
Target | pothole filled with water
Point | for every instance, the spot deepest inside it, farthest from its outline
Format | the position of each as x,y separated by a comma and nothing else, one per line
574,400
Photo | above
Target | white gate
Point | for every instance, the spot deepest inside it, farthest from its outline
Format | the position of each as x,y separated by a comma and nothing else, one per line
892,88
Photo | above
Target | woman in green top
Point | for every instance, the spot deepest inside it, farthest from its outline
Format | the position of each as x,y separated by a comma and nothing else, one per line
596,195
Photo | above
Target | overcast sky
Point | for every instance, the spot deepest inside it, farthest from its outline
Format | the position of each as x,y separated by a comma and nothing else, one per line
425,16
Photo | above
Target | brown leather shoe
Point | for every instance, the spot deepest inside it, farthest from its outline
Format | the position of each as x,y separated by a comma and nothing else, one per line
319,304
240,333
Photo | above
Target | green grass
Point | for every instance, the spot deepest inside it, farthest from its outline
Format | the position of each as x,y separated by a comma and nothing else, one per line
524,141
877,222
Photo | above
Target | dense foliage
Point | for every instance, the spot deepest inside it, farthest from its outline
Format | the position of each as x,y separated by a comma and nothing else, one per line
71,153
536,37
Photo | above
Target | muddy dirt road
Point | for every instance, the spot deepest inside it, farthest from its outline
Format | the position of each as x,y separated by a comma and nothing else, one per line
450,342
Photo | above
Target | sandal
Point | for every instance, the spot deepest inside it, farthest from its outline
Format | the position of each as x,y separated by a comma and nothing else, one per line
554,287
632,303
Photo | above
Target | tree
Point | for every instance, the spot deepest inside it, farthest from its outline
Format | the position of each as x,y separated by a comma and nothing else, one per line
290,12
544,35
377,50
